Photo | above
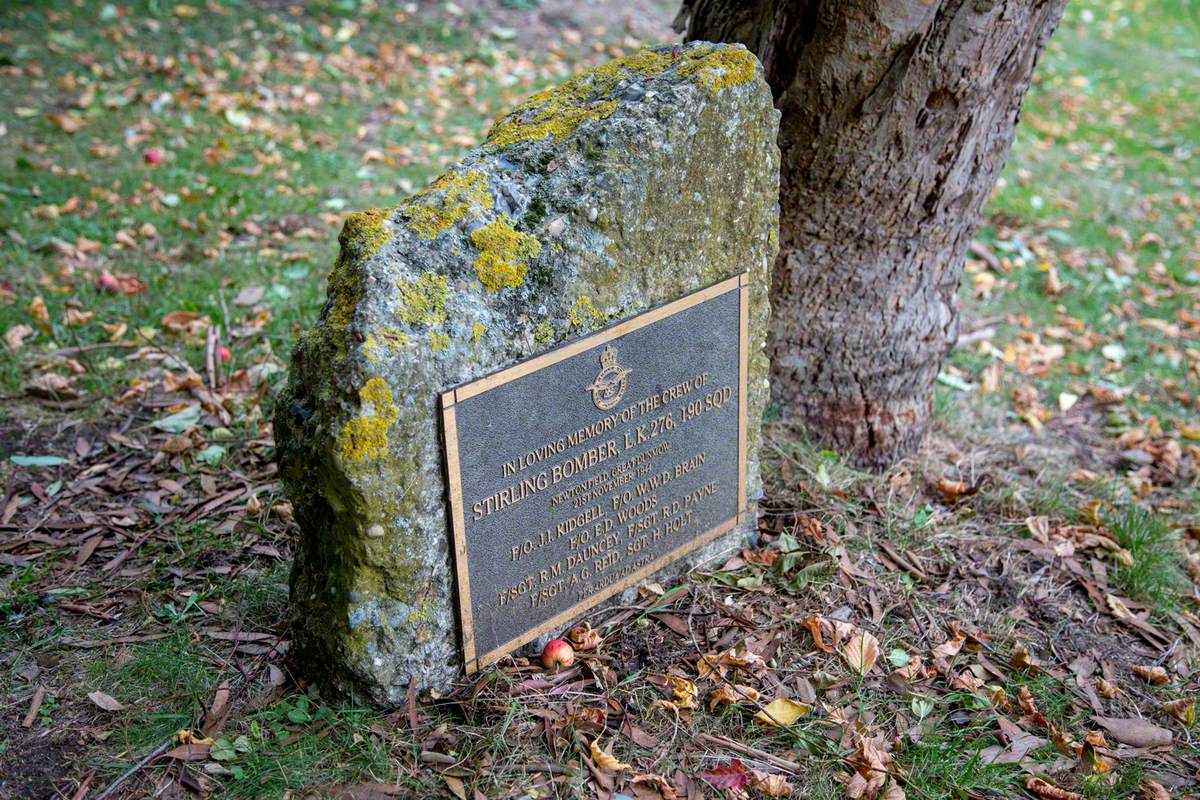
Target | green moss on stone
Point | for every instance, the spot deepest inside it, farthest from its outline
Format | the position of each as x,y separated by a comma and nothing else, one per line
446,201
423,302
344,292
504,254
536,213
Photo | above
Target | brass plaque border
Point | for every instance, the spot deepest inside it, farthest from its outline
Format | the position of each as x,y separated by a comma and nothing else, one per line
449,399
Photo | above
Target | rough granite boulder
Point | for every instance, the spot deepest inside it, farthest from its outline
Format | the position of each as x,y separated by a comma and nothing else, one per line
633,184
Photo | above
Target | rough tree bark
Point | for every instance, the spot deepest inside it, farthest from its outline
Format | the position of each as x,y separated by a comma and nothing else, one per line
896,118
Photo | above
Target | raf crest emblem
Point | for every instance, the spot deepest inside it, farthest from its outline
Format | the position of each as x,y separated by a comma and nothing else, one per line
610,384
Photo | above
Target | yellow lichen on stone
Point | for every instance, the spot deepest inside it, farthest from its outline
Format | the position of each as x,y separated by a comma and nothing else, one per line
424,301
718,68
504,254
388,339
561,110
446,201
544,333
584,315
438,341
557,121
365,437
477,332
363,232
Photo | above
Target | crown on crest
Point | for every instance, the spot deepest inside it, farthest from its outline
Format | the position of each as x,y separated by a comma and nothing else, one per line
609,357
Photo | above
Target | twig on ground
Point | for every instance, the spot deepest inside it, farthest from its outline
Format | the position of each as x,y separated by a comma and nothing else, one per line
971,337
87,348
746,750
129,773
84,785
34,706
210,353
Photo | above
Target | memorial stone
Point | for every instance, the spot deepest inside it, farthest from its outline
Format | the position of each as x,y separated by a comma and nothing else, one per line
538,381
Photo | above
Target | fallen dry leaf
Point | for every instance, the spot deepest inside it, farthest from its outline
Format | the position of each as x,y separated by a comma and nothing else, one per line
1020,744
953,491
815,628
1024,660
1039,528
1090,753
456,786
1135,731
782,711
74,317
1154,675
1048,791
584,637
1152,790
861,652
67,122
104,701
604,759
185,322
188,736
727,776
37,309
870,763
683,690
770,784
658,783
948,649
715,666
1032,714
15,336
188,752
52,386
1183,710
727,695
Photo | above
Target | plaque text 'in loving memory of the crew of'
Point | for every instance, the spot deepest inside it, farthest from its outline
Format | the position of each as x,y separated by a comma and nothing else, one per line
577,473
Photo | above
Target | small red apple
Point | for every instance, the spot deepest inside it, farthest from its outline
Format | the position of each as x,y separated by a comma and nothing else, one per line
556,654
224,354
152,156
108,282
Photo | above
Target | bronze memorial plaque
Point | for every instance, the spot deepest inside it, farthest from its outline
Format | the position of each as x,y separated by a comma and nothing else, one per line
578,472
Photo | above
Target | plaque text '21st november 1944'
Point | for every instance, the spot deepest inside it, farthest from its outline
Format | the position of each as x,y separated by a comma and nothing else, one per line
577,473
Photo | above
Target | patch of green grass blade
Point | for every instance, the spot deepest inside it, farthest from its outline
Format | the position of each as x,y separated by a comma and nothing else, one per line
338,748
950,765
164,684
1051,698
1154,577
1124,783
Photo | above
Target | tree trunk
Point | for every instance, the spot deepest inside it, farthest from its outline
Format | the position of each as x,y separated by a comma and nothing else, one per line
896,118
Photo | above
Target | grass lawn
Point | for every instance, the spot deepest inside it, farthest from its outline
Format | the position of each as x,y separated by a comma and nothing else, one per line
173,176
